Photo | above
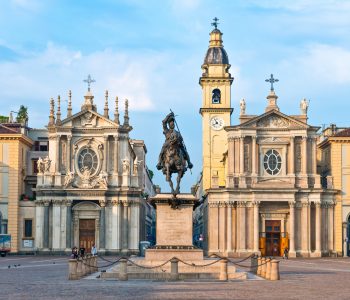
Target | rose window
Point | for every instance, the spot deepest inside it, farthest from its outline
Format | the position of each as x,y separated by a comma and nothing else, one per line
272,162
88,161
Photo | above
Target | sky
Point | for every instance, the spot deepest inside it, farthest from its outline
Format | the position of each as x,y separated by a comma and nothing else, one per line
151,52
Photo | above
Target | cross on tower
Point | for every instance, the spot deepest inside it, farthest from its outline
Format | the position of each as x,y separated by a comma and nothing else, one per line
89,80
272,81
215,23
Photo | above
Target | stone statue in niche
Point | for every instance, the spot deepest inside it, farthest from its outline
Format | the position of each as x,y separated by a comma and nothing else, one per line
41,165
85,177
68,179
126,166
136,166
47,164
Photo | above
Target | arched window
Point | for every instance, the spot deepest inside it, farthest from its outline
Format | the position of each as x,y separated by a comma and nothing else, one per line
216,96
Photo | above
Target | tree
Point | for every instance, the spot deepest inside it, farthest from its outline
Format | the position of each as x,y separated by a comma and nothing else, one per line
22,115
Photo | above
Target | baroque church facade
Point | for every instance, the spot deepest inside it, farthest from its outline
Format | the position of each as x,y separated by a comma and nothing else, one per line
260,189
93,184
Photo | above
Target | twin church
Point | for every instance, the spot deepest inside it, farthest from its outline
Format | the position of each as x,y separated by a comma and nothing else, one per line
260,189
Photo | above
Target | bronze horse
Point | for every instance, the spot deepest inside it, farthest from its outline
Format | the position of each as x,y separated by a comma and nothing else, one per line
173,157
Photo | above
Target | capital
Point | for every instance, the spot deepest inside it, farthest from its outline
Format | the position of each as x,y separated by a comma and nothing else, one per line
291,203
256,203
102,203
46,202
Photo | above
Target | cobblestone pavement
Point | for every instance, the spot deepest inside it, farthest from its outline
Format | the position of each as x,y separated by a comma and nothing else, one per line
45,277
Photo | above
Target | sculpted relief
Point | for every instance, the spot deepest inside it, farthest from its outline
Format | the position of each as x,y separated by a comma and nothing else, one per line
274,122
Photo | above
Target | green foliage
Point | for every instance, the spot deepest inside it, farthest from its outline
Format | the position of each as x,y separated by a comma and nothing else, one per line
22,115
4,119
151,174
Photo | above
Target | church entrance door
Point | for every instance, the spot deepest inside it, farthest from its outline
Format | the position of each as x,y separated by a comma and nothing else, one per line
273,237
86,234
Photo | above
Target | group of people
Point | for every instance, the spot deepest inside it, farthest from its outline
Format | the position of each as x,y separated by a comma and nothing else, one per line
81,252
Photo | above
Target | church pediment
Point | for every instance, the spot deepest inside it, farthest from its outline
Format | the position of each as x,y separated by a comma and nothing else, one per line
88,119
274,119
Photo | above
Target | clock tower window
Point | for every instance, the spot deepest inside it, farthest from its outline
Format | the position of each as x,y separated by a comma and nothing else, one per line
216,96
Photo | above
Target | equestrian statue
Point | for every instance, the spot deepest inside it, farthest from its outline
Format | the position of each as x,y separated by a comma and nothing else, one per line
173,157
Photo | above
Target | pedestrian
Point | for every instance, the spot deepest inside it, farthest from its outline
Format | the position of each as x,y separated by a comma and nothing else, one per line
74,254
82,251
285,253
93,250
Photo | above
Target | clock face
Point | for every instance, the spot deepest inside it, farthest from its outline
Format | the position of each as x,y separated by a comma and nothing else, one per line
216,123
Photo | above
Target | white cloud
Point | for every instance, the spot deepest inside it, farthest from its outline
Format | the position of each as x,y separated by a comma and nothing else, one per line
322,64
145,79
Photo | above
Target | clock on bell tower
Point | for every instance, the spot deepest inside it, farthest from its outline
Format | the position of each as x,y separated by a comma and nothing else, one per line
216,109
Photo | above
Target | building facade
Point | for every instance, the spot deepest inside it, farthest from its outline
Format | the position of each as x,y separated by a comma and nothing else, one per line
334,154
91,187
14,146
261,190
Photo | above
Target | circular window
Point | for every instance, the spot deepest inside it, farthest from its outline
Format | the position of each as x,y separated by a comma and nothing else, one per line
272,162
88,160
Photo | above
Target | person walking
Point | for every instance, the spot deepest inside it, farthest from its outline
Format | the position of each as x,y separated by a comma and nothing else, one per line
93,250
285,253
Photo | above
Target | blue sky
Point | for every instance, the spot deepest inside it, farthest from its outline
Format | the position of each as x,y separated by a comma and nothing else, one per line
151,53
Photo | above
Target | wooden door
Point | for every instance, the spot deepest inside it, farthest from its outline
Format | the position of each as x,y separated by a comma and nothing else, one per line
86,234
273,237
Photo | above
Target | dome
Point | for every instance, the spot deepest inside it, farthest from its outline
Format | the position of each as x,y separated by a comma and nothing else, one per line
216,55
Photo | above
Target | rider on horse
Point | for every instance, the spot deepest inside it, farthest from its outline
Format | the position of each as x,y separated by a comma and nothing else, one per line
173,138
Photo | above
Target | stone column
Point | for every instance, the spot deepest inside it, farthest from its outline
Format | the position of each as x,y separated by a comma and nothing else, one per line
304,227
304,155
116,208
253,155
57,164
125,227
292,229
256,226
69,139
330,226
39,224
69,224
241,156
105,146
46,224
133,228
345,244
231,145
103,224
56,224
229,229
314,156
318,227
213,230
242,219
116,157
291,156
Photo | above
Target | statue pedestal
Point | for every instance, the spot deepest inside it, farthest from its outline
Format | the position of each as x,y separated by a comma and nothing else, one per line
174,232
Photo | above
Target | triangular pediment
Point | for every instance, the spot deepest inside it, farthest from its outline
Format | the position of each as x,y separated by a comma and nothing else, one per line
274,119
88,119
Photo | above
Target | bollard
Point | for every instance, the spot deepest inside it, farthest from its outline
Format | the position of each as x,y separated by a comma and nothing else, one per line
275,270
268,268
94,264
223,270
72,269
174,275
263,267
254,264
123,274
79,268
258,272
83,266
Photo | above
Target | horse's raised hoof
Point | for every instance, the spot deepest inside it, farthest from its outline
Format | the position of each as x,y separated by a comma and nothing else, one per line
159,166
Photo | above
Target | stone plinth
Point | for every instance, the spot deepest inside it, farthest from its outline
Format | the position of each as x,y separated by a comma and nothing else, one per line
174,228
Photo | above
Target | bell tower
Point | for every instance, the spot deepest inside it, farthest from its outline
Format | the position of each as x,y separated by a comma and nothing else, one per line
216,109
